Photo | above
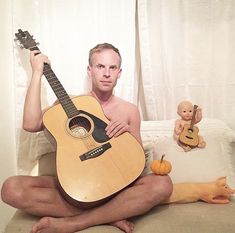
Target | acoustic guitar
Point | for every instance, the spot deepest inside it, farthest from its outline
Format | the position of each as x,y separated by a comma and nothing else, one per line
189,135
91,167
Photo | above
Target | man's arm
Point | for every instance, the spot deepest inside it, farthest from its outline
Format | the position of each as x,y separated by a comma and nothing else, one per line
32,116
134,124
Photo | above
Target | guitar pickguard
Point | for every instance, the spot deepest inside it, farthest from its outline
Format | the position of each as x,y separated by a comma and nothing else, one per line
99,133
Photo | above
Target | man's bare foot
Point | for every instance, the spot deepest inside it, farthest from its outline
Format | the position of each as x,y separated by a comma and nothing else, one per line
66,225
124,225
54,225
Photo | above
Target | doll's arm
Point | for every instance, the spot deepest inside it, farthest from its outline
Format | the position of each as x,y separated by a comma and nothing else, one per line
198,116
178,127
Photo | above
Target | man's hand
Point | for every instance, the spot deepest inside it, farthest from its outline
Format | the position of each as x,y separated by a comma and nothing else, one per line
37,60
116,127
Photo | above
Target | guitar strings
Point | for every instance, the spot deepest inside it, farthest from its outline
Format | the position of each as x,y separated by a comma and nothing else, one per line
87,139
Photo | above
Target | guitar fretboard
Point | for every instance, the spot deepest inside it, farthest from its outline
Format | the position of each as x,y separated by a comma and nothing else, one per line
61,94
193,117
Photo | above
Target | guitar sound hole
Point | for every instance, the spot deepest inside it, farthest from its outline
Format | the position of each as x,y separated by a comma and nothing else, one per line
190,131
79,126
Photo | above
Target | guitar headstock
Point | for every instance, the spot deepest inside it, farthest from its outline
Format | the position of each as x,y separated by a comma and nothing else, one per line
25,39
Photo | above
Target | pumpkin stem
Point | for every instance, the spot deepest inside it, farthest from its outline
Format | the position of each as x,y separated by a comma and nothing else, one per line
162,158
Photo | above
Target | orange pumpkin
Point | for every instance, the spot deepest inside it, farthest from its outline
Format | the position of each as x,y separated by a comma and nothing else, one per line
161,167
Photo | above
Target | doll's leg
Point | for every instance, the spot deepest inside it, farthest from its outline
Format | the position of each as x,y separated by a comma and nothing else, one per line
201,143
185,147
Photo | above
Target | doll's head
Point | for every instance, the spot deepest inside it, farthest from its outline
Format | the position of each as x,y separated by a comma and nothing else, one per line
185,110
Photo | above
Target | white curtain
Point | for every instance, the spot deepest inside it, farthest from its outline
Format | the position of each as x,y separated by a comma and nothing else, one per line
67,30
187,51
172,50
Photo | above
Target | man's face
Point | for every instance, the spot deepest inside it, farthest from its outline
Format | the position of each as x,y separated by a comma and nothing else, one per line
105,70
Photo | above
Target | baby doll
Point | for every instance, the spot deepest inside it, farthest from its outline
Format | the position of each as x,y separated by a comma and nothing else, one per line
185,110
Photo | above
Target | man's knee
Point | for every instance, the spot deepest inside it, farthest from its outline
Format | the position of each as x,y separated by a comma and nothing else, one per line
12,191
161,188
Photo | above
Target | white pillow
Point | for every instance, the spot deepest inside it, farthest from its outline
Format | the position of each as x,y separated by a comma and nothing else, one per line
197,165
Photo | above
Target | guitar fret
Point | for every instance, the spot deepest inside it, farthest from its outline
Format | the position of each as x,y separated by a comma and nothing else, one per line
62,97
72,114
63,94
57,88
70,109
48,72
57,85
70,106
65,101
51,77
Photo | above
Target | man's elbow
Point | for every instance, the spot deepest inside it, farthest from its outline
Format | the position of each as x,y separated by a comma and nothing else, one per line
31,127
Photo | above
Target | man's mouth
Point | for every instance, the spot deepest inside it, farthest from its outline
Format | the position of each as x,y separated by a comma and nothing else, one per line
105,83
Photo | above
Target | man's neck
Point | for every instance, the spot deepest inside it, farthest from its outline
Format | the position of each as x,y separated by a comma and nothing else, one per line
103,98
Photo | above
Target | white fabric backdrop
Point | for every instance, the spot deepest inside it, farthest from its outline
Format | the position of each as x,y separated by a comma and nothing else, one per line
172,50
187,50
67,30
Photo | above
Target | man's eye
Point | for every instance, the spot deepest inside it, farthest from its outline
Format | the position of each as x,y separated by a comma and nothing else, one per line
100,66
113,67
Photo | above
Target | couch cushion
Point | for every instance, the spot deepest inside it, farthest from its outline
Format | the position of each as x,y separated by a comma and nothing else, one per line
197,165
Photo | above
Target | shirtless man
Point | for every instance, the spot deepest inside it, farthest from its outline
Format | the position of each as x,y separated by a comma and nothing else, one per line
39,195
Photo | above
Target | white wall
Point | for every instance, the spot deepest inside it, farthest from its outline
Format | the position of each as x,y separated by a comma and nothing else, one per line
7,110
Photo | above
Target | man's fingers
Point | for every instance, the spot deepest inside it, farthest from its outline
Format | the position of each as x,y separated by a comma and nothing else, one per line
117,129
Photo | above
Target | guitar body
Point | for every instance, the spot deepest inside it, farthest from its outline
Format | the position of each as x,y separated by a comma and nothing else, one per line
90,166
189,136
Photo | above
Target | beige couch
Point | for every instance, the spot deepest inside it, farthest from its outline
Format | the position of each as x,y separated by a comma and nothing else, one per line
173,218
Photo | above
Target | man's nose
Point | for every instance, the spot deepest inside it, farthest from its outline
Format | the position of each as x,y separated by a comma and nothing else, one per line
107,72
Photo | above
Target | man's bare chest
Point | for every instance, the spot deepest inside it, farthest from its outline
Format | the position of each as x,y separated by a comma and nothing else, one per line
116,112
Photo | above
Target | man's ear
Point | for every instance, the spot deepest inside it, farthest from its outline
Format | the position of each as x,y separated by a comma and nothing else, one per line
120,72
88,70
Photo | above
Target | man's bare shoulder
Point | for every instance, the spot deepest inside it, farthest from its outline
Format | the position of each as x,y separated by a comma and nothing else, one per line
127,107
125,103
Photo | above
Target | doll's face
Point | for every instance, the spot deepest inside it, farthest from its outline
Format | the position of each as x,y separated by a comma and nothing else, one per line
185,110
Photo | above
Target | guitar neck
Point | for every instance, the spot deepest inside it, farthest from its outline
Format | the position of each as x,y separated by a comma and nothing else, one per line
193,117
61,94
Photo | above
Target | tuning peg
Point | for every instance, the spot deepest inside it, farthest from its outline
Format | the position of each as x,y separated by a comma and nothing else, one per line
18,43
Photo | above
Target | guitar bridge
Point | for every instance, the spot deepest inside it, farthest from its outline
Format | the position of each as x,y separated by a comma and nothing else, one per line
95,152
